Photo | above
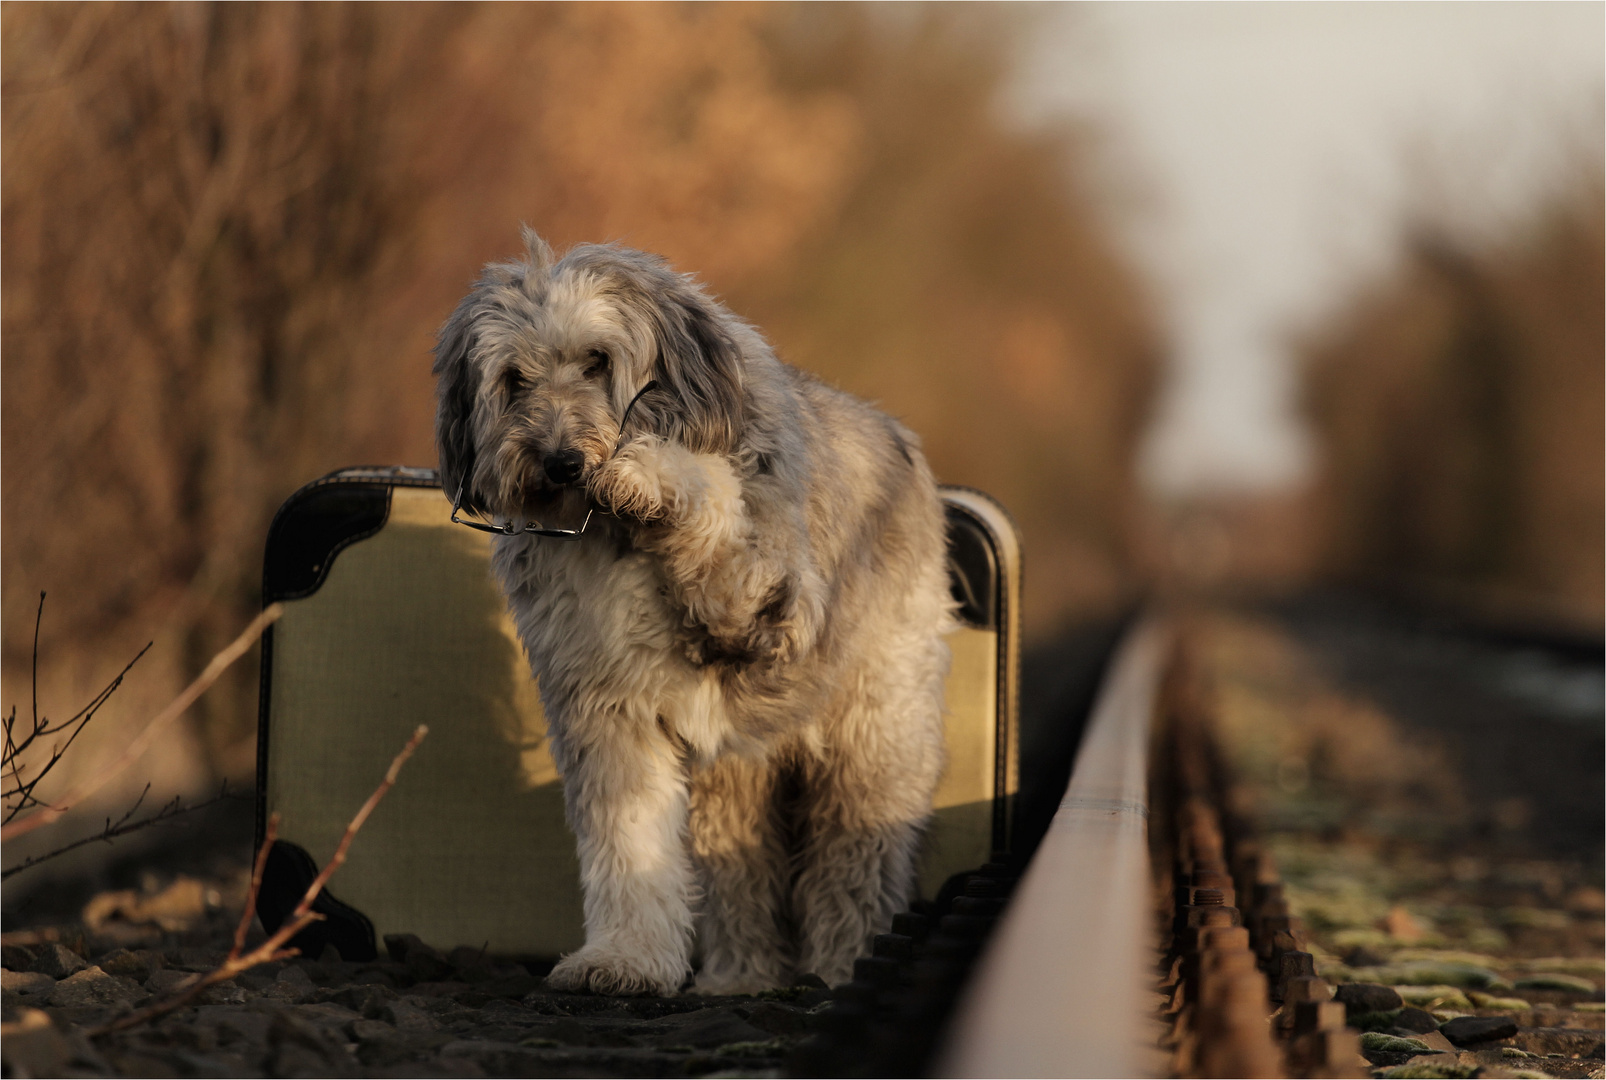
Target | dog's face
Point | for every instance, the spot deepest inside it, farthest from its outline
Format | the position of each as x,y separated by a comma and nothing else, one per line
539,363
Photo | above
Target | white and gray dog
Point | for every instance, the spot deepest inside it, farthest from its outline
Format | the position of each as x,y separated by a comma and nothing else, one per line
741,659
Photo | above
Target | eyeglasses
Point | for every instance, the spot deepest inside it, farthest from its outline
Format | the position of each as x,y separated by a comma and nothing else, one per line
533,528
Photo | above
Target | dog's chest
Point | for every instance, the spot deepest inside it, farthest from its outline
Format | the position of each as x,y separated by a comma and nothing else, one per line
599,629
580,604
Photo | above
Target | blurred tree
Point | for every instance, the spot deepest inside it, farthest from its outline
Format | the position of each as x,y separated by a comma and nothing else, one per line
1458,407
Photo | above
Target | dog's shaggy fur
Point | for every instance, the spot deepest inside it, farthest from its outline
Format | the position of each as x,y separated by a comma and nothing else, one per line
742,660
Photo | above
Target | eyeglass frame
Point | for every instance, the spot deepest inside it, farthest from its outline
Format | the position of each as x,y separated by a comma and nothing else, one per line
532,528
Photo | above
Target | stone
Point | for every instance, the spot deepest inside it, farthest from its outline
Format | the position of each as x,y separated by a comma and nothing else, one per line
372,1031
471,964
1379,1042
192,959
299,1047
426,964
297,976
363,998
92,986
1438,1067
289,993
30,1045
134,964
387,975
1555,980
57,961
1466,1030
256,980
18,957
325,1014
1490,1001
1373,1021
26,983
778,1019
227,992
1436,1041
232,1025
170,981
1417,1020
1434,998
1443,973
1364,956
704,1028
406,1016
398,945
1367,998
380,1045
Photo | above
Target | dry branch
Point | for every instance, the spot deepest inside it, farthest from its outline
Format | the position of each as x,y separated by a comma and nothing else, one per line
22,790
173,808
303,916
142,742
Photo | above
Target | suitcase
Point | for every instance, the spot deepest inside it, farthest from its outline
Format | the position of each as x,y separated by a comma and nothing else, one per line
392,619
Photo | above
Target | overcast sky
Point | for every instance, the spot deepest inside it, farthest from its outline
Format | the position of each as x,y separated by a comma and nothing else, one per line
1263,155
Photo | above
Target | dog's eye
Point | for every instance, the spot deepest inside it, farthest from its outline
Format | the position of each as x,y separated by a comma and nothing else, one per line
597,363
512,382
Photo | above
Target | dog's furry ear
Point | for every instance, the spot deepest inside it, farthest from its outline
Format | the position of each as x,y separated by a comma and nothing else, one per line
537,252
699,364
457,385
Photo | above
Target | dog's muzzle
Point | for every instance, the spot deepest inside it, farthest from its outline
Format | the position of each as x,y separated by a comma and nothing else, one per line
563,468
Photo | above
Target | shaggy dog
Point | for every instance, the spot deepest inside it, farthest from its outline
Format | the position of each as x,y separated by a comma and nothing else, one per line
741,659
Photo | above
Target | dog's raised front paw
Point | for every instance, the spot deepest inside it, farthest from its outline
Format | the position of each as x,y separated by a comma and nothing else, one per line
628,484
615,971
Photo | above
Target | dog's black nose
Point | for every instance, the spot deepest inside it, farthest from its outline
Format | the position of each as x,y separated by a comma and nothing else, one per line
564,466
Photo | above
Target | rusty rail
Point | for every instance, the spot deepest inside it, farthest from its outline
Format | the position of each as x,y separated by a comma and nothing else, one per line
1150,935
1062,989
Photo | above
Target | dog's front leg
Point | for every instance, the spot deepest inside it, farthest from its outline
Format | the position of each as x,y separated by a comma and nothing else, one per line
626,791
744,585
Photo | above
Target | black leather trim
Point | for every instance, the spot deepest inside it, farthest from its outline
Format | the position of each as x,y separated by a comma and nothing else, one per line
972,569
285,877
312,527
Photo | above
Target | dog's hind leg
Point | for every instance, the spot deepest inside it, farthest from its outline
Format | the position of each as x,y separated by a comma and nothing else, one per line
738,842
626,793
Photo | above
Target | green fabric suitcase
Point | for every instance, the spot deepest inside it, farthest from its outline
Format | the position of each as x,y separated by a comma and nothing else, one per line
392,620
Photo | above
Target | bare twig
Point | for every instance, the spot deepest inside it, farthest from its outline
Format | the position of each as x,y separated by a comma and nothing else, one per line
21,790
268,836
38,617
122,827
303,916
220,663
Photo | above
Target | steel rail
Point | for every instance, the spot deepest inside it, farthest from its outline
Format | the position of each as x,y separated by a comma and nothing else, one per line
1063,989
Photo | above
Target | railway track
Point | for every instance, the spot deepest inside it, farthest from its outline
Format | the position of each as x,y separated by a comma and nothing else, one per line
1150,934
1146,931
